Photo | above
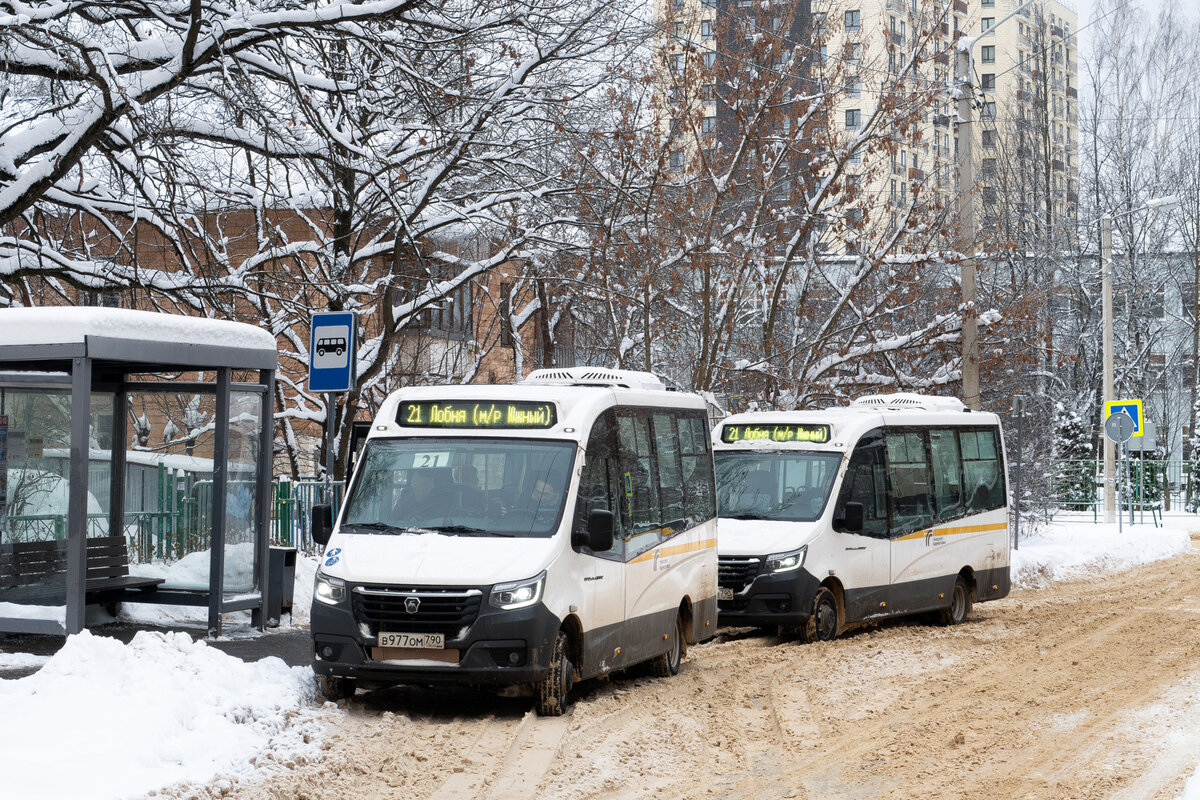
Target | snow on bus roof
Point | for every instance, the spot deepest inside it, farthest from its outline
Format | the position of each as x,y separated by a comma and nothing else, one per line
72,325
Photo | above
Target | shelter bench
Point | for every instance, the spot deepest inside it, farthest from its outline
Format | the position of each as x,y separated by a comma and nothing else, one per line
33,571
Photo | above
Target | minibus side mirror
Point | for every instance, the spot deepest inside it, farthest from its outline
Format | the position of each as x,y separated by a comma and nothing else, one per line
322,523
852,517
600,530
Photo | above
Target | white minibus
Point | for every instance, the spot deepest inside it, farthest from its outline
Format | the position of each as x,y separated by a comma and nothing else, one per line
533,534
894,505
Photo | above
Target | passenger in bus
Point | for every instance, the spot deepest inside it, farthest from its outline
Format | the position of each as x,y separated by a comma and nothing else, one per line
473,499
428,494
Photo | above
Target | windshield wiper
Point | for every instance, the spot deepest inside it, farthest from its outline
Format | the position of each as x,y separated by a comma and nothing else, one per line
747,516
387,527
467,529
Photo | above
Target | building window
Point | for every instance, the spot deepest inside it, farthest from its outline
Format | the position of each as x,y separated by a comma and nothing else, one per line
710,59
988,3
708,125
988,83
853,20
987,23
676,160
822,55
989,111
853,52
987,54
706,29
989,138
708,92
678,62
853,118
678,30
853,87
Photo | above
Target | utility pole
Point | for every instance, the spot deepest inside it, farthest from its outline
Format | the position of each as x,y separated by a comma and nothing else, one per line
966,223
1110,496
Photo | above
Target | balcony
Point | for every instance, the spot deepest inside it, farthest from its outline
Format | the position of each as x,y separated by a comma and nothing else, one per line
1072,93
1022,95
1072,197
960,7
897,38
915,174
1056,31
941,120
1057,165
942,58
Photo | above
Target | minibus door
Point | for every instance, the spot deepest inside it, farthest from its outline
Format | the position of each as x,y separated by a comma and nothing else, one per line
864,555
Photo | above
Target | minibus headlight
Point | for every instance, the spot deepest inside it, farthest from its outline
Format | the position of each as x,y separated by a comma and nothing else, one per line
328,589
518,594
786,562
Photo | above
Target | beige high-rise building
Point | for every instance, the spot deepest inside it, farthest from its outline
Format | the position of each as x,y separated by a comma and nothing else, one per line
1025,83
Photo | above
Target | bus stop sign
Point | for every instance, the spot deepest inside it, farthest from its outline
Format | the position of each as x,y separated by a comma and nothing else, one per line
332,352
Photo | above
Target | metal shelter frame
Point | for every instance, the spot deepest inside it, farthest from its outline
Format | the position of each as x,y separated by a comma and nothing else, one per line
103,363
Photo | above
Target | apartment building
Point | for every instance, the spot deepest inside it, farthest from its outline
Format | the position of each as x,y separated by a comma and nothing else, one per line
898,53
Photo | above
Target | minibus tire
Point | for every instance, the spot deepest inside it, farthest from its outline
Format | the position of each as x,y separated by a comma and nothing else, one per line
960,604
667,664
818,627
334,688
552,691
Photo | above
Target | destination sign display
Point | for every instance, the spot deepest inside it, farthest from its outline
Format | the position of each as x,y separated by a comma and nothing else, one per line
476,414
776,432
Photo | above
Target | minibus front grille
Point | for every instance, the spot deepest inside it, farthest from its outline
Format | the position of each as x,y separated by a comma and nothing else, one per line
388,608
737,572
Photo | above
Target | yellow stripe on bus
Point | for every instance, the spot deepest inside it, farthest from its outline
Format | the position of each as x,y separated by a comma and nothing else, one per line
676,549
993,526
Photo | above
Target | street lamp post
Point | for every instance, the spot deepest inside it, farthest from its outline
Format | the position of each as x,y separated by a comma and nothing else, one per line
1110,458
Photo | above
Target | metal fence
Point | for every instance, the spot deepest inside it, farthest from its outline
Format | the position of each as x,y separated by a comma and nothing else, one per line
1162,485
182,523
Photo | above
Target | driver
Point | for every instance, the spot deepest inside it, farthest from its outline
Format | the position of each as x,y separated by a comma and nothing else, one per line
540,503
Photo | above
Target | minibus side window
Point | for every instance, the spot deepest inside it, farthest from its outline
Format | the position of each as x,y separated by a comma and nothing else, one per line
947,473
670,471
599,482
983,476
864,483
698,481
639,503
911,488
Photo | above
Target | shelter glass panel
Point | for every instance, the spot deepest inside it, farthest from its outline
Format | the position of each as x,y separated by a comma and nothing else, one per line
241,496
169,485
35,446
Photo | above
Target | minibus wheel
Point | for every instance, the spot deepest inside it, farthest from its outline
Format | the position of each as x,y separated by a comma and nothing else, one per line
551,691
822,626
960,604
667,664
334,688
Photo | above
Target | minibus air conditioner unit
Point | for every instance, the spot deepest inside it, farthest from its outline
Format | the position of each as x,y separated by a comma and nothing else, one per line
596,376
903,401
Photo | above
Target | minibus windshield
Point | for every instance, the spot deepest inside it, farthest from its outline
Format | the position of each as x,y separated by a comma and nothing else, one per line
468,486
788,485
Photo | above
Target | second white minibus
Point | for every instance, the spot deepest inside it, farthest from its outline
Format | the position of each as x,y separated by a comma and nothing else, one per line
532,534
894,505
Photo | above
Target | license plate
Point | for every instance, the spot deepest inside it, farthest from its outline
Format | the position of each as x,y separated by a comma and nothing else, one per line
724,594
421,641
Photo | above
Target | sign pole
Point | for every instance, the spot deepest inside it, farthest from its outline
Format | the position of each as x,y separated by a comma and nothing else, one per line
330,423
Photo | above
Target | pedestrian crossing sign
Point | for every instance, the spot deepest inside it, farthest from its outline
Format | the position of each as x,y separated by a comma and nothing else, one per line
1131,407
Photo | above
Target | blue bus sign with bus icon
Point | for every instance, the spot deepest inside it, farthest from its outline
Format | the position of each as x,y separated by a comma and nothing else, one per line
332,352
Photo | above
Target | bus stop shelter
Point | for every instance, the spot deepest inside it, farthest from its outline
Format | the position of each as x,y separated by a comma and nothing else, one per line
97,384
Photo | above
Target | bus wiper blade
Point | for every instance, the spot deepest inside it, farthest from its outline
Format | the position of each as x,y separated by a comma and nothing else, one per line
747,516
387,527
467,529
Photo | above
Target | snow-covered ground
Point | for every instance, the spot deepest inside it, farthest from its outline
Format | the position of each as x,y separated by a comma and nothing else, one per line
163,710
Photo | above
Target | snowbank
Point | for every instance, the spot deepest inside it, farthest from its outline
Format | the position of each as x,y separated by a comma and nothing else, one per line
130,719
1066,550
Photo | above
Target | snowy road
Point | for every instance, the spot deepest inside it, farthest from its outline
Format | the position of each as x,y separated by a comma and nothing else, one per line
1083,689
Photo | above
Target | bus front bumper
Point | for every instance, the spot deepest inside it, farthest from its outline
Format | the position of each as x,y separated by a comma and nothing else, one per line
783,598
499,648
